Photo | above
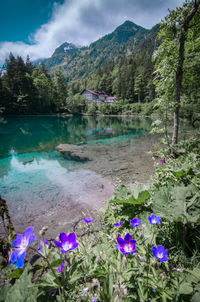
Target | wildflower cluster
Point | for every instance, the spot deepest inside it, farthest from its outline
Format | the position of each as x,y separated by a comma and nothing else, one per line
67,243
128,245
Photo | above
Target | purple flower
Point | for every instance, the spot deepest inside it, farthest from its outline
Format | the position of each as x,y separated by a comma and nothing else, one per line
117,224
21,243
60,268
94,299
161,160
135,222
88,219
67,242
153,219
160,253
43,249
126,245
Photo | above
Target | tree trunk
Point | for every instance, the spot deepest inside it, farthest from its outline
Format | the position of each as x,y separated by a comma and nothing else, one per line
179,71
179,76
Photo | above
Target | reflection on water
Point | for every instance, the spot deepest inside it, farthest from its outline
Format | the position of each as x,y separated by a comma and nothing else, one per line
29,172
34,176
44,133
40,183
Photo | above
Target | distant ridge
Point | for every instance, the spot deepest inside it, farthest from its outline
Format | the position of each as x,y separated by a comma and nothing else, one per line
78,62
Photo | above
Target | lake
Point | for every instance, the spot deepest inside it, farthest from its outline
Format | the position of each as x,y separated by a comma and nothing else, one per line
40,185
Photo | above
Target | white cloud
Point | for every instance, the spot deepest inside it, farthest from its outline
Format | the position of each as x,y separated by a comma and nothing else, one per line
83,21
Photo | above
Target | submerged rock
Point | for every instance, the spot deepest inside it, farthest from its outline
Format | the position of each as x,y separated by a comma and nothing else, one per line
74,152
129,161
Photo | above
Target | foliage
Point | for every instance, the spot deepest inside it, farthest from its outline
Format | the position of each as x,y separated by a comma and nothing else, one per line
160,262
22,290
177,62
27,89
123,107
136,195
76,104
92,108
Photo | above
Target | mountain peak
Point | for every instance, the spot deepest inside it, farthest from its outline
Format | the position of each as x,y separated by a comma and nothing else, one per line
123,33
78,62
65,48
129,25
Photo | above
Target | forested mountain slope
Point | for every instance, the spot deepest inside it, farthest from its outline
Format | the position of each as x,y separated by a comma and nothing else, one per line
124,41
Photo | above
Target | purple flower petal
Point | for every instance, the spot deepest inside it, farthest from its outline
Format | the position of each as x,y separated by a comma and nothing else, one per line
21,243
128,249
17,241
75,245
27,233
120,241
160,249
165,253
67,242
13,256
71,237
154,251
117,246
59,244
164,259
20,260
63,237
126,245
64,251
160,253
135,222
127,238
153,219
117,224
31,239
88,219
60,268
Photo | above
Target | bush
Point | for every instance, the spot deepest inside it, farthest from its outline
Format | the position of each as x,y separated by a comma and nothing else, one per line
92,108
76,104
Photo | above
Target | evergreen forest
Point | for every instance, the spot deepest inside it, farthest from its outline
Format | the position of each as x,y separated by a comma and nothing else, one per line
143,245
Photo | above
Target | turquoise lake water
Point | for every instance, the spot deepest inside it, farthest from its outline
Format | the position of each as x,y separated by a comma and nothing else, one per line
32,172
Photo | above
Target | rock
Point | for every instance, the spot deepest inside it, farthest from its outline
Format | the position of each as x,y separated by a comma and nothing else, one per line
73,152
127,161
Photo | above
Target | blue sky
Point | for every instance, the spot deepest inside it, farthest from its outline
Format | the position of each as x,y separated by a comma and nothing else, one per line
37,27
21,18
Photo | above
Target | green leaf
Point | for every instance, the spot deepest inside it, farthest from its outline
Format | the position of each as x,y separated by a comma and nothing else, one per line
23,289
48,281
136,195
3,292
110,276
195,273
196,297
16,274
56,263
174,203
185,289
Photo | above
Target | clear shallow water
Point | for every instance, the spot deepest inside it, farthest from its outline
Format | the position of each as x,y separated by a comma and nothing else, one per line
44,133
34,176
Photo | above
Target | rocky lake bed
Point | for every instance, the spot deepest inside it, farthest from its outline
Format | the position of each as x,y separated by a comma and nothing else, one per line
57,184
